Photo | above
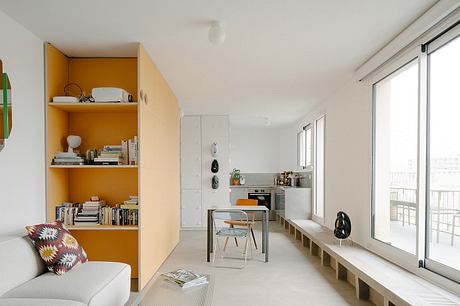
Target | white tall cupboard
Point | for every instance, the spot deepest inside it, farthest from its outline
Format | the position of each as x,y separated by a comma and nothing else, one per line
198,133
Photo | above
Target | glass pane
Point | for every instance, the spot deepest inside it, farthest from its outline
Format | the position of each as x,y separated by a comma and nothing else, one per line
319,168
444,156
308,146
301,149
395,164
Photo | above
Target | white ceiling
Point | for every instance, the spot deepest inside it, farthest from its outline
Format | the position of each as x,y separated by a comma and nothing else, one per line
279,60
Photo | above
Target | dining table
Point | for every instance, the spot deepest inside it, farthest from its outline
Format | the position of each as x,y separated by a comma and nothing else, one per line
258,208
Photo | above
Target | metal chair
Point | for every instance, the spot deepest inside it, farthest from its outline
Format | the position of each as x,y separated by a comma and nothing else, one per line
251,216
221,230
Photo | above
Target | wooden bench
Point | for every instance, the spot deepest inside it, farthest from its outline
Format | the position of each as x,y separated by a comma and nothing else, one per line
374,278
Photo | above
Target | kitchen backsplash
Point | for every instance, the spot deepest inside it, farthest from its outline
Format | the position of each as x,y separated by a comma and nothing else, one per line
259,179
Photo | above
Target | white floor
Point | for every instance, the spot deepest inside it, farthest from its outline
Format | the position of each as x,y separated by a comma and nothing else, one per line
291,277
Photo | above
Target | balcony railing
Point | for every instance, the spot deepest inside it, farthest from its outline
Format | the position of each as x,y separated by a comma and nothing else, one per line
444,212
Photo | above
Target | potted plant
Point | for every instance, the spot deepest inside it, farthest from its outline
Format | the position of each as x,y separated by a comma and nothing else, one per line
235,177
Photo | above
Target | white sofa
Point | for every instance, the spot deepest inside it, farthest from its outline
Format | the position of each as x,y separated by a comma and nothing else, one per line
24,280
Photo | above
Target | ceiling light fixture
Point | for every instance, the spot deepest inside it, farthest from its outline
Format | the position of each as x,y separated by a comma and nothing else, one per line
216,33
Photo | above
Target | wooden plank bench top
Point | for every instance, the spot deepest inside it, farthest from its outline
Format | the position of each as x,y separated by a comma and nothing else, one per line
397,285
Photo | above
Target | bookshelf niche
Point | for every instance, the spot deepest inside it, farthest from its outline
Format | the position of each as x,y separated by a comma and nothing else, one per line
101,124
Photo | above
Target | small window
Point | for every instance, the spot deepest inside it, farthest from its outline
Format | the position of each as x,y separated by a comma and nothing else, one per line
304,147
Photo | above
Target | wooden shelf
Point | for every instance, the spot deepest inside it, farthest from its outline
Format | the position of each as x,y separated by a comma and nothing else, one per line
96,107
102,227
94,166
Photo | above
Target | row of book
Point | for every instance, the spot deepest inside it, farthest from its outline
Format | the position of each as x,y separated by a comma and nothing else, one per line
96,212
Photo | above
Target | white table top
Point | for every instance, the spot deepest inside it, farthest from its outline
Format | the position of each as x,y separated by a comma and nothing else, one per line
243,208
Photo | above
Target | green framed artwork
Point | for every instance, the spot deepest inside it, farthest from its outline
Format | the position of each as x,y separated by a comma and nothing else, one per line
6,110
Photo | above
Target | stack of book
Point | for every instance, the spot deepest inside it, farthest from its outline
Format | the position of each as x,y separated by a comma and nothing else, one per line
67,158
132,203
89,213
109,155
66,212
185,278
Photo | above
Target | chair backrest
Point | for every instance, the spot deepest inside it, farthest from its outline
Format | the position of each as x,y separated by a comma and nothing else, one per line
221,215
247,202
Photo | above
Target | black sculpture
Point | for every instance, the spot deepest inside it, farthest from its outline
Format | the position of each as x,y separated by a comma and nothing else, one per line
215,166
342,226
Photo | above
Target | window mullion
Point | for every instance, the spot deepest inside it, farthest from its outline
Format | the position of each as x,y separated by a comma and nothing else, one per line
422,159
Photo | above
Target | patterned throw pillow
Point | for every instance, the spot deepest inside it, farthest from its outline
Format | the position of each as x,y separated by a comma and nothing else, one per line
57,247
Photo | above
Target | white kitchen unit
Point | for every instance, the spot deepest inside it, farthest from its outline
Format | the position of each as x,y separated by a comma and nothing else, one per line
198,133
191,171
298,203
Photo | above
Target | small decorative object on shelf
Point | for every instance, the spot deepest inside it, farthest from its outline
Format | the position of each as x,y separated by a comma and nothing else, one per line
342,229
235,177
215,182
215,166
73,142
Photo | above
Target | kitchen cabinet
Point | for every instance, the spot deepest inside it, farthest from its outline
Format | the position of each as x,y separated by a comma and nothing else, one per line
191,152
191,208
298,203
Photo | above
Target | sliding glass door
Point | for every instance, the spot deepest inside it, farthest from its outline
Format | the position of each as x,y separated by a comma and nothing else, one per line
416,158
443,151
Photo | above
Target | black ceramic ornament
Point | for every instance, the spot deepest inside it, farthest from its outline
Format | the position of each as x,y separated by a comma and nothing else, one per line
215,166
342,226
215,182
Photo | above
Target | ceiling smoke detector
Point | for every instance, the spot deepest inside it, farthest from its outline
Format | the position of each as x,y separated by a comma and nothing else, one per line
216,33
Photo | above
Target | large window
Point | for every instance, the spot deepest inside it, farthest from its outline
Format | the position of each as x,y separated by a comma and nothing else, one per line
318,169
416,157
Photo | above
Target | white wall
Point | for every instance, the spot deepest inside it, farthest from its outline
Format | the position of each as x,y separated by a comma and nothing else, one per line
22,161
255,150
348,155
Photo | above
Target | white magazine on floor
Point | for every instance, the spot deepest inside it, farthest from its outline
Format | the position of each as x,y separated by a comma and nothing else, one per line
185,278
